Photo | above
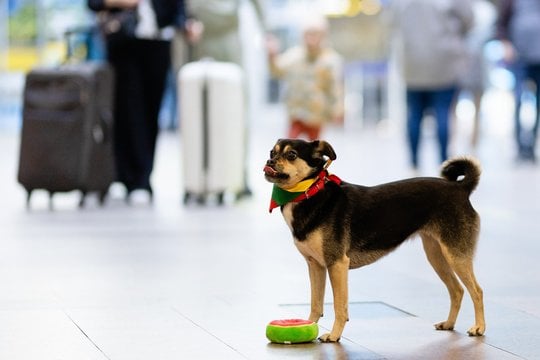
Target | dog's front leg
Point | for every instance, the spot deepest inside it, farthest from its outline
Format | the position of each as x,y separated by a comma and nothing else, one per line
317,279
339,273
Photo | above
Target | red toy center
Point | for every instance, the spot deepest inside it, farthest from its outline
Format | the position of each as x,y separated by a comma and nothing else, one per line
291,322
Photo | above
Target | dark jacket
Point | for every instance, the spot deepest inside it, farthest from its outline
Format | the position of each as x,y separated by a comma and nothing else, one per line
168,12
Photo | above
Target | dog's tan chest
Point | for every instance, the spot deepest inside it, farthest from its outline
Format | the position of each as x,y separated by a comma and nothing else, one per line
312,246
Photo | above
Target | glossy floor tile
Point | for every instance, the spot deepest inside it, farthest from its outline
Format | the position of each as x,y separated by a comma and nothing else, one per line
168,281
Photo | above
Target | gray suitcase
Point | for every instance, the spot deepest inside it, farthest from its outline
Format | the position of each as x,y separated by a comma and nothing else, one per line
66,139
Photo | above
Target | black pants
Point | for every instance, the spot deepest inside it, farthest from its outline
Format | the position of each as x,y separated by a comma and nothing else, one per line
526,138
141,69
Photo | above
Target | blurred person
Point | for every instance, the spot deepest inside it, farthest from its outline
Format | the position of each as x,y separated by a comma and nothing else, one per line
518,28
220,39
139,52
473,81
432,36
312,72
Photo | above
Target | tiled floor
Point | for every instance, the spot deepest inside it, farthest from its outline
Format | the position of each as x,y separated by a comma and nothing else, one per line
173,282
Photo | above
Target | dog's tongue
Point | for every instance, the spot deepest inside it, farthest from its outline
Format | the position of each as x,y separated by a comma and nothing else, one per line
269,171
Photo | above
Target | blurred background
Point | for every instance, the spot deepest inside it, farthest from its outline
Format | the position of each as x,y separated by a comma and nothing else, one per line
107,269
35,32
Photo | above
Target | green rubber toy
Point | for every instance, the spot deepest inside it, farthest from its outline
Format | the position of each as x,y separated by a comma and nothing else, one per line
292,331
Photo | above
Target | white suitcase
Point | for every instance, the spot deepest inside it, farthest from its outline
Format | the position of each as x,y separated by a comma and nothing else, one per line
212,126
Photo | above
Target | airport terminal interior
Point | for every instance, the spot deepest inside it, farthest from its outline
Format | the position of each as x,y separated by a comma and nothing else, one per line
168,280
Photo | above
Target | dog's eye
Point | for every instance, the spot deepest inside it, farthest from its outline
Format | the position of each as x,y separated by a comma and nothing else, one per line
291,155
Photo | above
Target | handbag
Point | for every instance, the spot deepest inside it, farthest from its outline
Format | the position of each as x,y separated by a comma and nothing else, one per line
118,24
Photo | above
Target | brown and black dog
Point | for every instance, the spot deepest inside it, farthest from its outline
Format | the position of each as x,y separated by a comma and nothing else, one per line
339,226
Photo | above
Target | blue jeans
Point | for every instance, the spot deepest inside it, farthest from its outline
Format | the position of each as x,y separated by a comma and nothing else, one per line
418,103
526,140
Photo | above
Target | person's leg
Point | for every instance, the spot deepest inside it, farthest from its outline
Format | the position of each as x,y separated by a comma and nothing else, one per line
534,73
477,96
313,132
155,63
295,128
128,102
518,69
415,113
442,104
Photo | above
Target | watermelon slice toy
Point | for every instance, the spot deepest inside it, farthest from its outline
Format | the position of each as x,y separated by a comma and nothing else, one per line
292,331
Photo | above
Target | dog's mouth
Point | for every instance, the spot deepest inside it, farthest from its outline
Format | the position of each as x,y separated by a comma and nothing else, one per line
271,173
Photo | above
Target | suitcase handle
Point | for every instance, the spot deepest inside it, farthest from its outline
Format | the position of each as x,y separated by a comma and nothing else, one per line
53,95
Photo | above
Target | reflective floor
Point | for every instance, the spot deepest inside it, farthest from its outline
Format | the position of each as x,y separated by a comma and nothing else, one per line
166,281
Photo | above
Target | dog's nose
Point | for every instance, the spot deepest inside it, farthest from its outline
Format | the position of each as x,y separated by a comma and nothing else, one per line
271,162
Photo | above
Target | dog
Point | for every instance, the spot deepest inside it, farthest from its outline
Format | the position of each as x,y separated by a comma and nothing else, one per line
339,226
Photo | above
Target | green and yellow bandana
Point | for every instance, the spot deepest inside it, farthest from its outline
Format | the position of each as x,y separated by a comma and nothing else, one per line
303,190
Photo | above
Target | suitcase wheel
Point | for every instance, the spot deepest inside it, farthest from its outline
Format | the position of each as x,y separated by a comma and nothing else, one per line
82,199
51,205
201,199
103,196
198,198
221,198
187,197
28,196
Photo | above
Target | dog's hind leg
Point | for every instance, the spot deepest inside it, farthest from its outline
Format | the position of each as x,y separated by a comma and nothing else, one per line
463,267
446,273
339,273
317,279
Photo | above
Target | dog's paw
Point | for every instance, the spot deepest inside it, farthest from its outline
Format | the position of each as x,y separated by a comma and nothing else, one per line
476,330
328,338
445,325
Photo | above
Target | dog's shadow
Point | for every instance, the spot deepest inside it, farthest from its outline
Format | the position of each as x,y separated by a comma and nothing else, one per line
321,351
456,346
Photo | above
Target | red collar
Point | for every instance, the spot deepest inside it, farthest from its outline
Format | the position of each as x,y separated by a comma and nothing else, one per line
317,186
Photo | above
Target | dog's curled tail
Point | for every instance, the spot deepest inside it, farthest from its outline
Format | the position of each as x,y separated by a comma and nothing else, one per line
465,170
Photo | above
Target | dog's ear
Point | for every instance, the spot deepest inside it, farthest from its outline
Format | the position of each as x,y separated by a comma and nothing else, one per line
322,148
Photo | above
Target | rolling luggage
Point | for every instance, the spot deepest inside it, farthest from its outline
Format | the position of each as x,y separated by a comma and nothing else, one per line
213,129
66,139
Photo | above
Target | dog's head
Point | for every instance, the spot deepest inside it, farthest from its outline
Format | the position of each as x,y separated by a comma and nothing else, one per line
292,161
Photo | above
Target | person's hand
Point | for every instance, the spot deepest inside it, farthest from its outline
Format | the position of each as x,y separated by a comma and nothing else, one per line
272,45
509,52
339,119
193,30
122,4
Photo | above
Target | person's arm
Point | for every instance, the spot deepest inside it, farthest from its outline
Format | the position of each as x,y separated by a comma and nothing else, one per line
260,12
191,28
272,48
465,14
504,16
335,89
